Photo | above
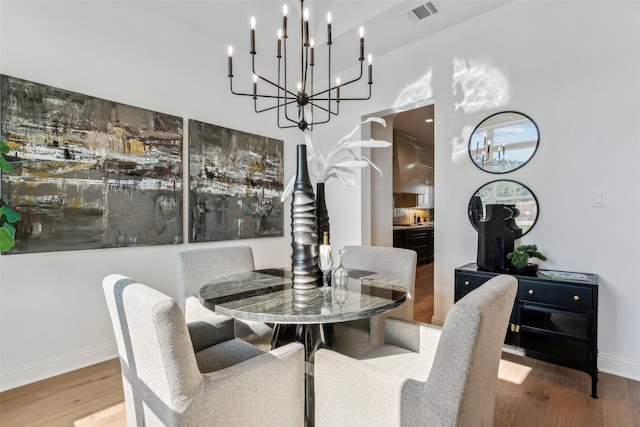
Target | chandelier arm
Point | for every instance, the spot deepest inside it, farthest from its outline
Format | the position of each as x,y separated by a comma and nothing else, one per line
273,107
331,113
264,79
315,95
237,93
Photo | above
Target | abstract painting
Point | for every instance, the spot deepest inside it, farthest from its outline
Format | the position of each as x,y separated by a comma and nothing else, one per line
89,173
235,184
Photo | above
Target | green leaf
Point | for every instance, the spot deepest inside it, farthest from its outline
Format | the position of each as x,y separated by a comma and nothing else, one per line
4,148
11,229
12,216
4,165
6,239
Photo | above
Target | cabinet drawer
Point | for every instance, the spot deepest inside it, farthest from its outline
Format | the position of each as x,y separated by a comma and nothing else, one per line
565,296
466,283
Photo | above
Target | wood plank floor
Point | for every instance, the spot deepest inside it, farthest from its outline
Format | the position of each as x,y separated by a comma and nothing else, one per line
423,298
530,392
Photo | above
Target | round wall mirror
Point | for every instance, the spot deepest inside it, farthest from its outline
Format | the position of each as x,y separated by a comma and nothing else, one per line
503,142
509,193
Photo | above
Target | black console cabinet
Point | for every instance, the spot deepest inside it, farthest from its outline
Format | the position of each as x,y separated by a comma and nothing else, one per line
554,318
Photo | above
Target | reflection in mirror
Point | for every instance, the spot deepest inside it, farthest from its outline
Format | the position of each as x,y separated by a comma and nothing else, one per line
509,193
504,142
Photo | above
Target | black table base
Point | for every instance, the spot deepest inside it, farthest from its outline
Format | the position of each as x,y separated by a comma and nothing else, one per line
314,337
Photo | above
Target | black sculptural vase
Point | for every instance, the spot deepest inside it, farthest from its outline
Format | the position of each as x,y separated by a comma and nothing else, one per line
323,213
496,235
304,239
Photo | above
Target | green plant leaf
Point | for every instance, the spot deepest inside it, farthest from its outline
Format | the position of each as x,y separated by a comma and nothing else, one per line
6,239
12,216
4,148
11,229
4,165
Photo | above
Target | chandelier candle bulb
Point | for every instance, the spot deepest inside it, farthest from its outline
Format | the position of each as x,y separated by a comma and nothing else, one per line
306,27
328,28
253,35
284,21
255,86
361,31
370,69
279,55
311,54
230,50
338,89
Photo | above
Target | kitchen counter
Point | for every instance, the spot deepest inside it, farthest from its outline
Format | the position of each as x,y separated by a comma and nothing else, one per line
426,225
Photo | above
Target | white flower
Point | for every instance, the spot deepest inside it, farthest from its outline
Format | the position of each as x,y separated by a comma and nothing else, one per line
341,162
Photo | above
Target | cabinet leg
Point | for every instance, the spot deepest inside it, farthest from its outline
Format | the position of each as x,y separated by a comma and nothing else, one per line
594,385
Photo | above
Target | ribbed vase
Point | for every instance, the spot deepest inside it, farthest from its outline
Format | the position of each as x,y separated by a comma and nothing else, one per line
304,238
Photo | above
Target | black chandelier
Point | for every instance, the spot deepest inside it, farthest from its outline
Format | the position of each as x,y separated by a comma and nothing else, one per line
306,100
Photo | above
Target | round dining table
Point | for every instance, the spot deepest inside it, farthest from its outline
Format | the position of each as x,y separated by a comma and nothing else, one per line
307,316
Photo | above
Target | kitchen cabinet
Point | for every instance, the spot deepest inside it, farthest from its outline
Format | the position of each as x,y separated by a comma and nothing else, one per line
405,200
398,238
554,317
417,238
407,174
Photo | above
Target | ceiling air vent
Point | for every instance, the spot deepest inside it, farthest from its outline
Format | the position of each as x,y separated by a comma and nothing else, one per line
423,11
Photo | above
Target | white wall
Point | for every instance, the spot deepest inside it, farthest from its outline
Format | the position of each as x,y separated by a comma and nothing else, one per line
574,69
53,317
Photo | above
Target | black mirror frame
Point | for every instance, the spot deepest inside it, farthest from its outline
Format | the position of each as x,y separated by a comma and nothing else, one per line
493,115
469,206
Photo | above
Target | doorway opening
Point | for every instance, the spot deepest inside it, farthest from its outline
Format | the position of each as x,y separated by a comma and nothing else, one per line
396,201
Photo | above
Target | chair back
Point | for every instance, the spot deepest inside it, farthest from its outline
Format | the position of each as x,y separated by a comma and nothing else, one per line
396,262
195,267
159,368
462,383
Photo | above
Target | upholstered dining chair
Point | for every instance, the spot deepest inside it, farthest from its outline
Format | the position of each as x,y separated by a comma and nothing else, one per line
196,267
175,376
358,336
422,375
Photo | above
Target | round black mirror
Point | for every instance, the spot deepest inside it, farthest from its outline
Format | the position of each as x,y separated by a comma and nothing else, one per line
504,142
519,201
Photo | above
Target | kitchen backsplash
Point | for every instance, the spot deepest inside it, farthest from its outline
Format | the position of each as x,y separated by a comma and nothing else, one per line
406,215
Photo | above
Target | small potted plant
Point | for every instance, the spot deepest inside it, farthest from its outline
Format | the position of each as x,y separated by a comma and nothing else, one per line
519,260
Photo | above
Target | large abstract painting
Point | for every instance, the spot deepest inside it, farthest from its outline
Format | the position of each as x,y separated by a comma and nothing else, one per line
235,184
89,173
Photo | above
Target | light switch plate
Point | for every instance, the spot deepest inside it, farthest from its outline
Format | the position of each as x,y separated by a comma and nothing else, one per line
599,199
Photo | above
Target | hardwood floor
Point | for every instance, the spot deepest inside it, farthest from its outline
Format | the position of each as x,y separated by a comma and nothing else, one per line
530,392
423,298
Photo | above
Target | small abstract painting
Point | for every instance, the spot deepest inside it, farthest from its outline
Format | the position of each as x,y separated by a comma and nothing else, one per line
89,173
235,184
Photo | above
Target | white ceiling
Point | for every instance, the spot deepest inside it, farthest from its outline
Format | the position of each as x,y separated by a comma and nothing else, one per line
386,22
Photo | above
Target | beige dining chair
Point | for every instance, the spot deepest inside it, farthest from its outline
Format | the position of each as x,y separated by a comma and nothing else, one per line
196,267
175,376
359,336
422,375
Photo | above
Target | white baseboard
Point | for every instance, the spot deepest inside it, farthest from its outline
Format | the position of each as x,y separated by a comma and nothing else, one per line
48,368
620,366
437,320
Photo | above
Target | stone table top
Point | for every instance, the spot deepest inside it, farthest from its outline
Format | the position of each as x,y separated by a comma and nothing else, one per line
268,296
